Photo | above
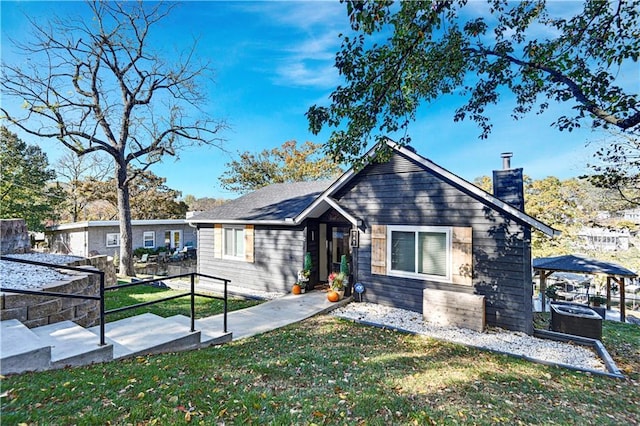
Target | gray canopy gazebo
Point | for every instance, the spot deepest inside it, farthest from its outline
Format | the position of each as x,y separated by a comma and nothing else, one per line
584,265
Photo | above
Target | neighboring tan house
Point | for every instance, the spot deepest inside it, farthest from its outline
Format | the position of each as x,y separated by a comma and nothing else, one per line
407,225
103,237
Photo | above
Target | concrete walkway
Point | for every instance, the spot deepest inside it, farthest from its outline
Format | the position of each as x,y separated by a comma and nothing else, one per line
277,313
67,344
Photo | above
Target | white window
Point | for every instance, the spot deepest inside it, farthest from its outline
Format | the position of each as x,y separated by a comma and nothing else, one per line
233,242
149,239
113,240
419,252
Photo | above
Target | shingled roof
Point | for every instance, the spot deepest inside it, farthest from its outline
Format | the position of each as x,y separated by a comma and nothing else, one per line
292,203
274,203
582,265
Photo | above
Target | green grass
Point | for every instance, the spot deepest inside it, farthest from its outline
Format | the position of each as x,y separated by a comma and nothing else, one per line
330,371
128,296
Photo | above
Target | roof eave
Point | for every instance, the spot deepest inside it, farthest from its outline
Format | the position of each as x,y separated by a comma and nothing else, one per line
286,222
469,187
104,223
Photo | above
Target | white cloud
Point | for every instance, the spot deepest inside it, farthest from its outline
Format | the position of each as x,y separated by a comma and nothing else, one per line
304,73
299,14
303,41
309,62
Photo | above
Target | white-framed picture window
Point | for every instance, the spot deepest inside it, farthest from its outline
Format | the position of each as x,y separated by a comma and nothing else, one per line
419,252
233,242
113,239
149,239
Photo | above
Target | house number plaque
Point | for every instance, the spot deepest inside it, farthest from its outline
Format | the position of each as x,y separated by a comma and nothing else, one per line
354,238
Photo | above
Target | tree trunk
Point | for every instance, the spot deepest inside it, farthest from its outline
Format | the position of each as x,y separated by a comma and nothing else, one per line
124,216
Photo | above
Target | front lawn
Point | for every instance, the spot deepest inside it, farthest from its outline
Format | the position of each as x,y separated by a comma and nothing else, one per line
204,306
330,371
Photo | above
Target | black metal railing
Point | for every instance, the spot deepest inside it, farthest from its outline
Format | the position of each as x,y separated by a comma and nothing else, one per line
100,298
192,294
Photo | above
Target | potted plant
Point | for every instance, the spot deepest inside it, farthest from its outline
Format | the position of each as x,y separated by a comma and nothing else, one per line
336,286
344,269
305,273
296,289
303,279
597,300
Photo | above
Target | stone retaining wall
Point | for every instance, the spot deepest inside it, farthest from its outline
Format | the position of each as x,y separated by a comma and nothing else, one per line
14,237
34,311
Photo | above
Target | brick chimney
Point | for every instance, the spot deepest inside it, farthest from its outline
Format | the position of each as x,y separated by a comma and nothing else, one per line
508,183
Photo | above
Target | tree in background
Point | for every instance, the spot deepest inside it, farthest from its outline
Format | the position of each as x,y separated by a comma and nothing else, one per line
97,85
558,204
618,167
202,204
150,197
285,164
403,54
27,188
485,183
75,175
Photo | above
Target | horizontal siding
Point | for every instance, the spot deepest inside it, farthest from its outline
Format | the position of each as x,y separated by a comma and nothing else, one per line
278,255
400,192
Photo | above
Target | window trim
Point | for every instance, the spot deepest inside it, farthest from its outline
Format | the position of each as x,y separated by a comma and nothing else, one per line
117,244
153,239
447,230
236,256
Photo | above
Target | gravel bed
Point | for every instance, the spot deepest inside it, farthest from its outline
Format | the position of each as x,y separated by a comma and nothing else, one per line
31,277
494,339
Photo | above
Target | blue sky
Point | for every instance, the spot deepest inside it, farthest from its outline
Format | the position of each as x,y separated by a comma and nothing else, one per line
273,60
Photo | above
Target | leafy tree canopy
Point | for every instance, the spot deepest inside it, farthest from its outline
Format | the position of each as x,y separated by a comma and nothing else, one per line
26,182
202,204
150,197
617,167
287,163
404,54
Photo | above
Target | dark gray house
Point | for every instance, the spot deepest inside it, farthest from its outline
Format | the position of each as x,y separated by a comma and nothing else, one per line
407,225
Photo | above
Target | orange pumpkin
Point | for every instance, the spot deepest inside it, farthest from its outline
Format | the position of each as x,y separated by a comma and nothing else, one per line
333,296
296,289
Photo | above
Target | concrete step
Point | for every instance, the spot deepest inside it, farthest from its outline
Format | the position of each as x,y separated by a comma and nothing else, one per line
21,349
210,329
73,345
147,334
